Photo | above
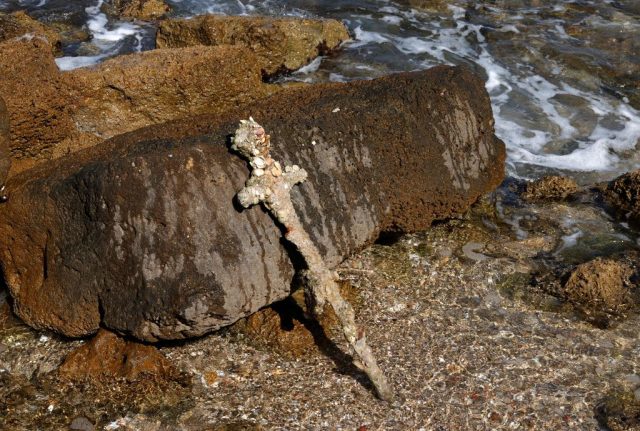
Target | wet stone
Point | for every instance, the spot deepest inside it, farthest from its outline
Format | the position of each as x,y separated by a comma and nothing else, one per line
136,9
19,24
601,284
81,424
623,195
550,188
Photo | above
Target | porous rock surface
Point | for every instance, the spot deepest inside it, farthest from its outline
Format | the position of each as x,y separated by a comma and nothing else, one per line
19,24
146,10
132,91
40,115
282,44
142,234
5,156
69,111
551,187
600,284
107,356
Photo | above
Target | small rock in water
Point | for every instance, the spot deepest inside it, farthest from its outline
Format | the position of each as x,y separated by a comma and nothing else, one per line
550,188
623,194
469,251
81,424
600,284
633,379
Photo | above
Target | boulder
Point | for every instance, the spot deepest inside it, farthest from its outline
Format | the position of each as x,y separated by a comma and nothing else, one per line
20,24
133,91
107,356
5,141
37,98
142,234
282,44
600,284
623,195
146,10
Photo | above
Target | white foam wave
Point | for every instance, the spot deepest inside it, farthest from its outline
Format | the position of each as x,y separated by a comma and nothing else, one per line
105,36
536,132
236,7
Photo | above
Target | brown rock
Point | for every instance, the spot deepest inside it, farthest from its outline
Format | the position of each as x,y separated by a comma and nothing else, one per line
525,248
137,90
20,24
142,232
282,44
107,356
146,10
550,188
623,195
37,99
600,284
5,142
280,328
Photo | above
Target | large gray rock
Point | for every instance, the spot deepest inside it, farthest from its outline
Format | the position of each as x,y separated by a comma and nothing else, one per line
141,234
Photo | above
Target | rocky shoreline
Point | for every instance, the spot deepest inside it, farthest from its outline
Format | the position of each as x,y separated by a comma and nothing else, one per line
492,318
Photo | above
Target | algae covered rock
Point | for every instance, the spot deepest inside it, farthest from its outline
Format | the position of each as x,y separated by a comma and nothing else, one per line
142,233
600,284
623,194
282,44
551,187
